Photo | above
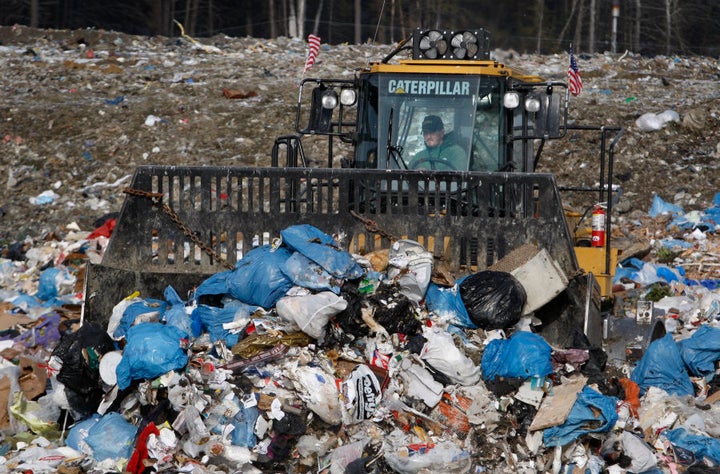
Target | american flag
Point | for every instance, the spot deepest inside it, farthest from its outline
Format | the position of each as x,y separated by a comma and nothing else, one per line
575,83
314,44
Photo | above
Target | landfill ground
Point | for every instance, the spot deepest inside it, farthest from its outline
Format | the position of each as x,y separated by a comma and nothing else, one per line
379,383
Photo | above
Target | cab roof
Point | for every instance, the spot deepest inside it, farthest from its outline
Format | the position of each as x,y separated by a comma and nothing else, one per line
452,66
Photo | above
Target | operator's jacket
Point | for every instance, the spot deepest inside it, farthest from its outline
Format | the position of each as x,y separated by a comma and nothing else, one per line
448,156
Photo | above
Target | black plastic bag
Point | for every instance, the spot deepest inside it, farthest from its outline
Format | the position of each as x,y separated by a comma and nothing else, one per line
493,300
80,352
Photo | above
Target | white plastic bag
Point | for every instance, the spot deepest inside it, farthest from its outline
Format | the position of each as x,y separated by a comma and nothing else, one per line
443,355
319,392
410,265
311,313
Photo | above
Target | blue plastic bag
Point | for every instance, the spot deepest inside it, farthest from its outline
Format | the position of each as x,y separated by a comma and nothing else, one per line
700,446
47,284
659,206
131,313
592,412
244,424
213,319
78,433
305,273
670,274
322,249
523,355
258,278
663,367
112,437
447,304
152,349
701,350
176,315
216,284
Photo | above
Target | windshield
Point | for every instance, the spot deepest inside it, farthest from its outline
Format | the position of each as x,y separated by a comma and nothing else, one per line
431,122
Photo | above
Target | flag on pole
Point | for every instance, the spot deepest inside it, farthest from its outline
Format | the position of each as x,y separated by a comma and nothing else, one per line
575,83
314,45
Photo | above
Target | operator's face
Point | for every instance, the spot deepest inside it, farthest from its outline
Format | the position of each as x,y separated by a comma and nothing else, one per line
433,139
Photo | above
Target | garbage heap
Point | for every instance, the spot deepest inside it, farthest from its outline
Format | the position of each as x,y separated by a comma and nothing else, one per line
306,358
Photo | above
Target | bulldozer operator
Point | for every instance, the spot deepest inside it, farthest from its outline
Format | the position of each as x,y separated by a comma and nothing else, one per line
441,152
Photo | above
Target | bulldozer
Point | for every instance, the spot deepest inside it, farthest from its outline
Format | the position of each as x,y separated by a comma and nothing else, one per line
490,210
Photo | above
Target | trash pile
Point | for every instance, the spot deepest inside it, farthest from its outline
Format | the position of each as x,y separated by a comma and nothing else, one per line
306,358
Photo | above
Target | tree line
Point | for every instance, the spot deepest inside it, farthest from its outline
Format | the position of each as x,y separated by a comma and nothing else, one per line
537,26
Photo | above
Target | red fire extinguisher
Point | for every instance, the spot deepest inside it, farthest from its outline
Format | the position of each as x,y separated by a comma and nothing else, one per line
598,226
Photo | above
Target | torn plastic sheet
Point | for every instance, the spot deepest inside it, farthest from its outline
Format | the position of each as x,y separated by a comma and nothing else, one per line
311,313
318,390
142,310
410,266
176,315
217,321
406,456
447,305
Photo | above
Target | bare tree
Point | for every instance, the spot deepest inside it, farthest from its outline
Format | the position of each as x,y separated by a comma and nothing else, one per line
273,26
316,25
211,16
296,19
34,13
577,41
638,16
670,11
565,27
358,22
190,23
591,33
539,9
292,20
392,21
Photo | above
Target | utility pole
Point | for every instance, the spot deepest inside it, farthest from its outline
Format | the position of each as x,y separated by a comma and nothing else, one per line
615,16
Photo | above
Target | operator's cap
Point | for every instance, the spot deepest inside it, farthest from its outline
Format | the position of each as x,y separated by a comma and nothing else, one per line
432,123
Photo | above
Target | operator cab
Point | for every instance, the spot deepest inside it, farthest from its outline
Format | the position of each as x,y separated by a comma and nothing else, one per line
469,107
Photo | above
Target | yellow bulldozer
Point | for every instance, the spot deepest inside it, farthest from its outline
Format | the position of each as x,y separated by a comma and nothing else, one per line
486,207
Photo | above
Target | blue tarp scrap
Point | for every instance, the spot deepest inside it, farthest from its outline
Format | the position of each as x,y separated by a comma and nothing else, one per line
663,367
706,219
592,412
701,446
701,351
322,249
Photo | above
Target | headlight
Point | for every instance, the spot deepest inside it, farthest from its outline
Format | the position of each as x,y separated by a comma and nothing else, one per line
348,96
532,104
329,100
511,100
